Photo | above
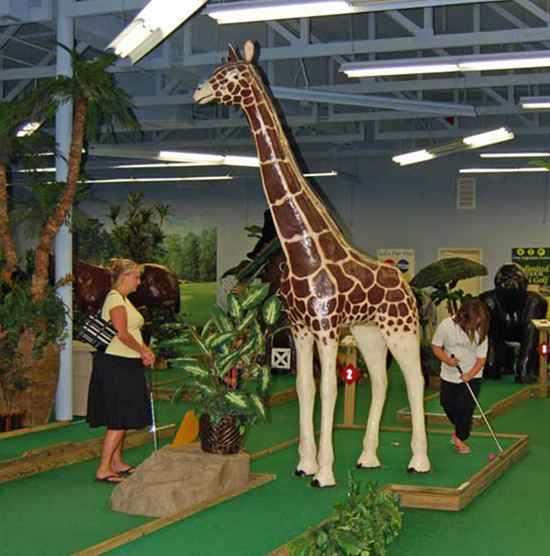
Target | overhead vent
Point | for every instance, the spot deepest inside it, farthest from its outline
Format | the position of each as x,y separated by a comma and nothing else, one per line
466,193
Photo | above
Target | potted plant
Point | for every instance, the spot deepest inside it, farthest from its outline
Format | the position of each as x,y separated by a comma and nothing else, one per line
364,523
229,377
19,370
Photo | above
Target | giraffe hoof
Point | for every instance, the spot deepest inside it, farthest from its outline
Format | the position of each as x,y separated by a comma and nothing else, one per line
300,473
361,466
315,483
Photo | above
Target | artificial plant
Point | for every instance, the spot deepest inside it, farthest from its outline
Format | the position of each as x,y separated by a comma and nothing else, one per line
97,101
362,525
229,376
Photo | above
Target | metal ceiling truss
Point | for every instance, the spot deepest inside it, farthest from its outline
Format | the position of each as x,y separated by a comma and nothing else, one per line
327,102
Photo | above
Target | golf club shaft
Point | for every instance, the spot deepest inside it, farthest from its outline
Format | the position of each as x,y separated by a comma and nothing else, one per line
484,418
480,410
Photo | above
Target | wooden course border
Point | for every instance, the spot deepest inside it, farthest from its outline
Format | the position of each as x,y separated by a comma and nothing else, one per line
67,453
456,499
443,498
256,480
37,428
499,407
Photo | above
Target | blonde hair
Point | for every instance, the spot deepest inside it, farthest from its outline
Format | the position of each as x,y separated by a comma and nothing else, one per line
118,267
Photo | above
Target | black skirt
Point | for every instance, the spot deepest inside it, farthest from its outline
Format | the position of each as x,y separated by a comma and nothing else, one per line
118,397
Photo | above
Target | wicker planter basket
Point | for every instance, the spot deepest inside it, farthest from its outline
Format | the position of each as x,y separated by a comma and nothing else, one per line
223,438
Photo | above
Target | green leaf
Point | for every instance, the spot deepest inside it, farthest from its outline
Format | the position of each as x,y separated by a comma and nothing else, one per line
226,362
255,296
237,399
271,310
248,320
223,339
196,370
206,328
234,307
258,404
221,321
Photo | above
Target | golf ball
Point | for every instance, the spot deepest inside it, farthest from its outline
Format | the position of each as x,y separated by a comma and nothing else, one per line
395,443
492,456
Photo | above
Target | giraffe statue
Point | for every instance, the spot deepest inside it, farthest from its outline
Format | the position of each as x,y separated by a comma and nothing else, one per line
326,285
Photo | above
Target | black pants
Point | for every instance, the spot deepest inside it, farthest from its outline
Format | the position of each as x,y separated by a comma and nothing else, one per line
459,405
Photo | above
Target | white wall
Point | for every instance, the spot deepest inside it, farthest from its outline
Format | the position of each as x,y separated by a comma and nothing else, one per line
412,207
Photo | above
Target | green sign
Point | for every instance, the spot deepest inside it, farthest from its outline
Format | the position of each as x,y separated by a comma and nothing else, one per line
535,261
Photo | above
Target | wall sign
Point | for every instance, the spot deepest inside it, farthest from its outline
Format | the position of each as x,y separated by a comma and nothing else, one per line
403,259
535,261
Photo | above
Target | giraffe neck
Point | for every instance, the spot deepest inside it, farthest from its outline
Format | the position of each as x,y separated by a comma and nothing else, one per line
296,209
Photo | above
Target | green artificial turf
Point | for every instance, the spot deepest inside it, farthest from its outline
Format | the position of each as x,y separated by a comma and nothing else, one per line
492,391
58,512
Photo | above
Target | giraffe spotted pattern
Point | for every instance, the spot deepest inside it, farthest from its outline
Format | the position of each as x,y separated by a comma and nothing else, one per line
326,284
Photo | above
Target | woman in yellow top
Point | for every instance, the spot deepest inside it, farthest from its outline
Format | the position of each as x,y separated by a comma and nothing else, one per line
118,397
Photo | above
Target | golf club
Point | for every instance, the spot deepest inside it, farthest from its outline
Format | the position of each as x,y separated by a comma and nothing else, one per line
480,410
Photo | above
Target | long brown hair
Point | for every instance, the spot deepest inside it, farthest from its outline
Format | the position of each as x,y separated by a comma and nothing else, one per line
473,316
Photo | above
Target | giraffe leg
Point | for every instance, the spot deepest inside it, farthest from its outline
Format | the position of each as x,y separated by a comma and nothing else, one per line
372,346
327,349
404,347
305,387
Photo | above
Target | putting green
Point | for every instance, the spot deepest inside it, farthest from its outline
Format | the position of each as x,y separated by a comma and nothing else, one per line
492,393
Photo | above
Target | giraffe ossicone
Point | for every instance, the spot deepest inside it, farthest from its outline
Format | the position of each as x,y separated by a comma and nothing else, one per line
326,285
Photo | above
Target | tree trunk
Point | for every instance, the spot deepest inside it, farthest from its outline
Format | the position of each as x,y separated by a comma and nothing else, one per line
5,232
41,263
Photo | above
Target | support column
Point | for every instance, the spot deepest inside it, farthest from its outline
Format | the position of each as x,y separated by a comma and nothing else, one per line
64,239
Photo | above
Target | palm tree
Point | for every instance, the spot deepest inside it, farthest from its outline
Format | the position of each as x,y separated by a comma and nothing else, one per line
163,212
97,103
12,149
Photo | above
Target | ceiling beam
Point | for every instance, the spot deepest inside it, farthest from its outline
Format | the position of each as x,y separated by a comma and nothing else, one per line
101,7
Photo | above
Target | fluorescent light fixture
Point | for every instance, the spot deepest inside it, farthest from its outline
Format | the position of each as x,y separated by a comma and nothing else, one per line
526,169
534,103
465,144
413,157
28,128
152,25
446,64
158,180
269,10
250,161
488,138
541,154
328,174
181,156
41,170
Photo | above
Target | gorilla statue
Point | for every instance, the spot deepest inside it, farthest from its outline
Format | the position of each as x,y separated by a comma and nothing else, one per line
512,307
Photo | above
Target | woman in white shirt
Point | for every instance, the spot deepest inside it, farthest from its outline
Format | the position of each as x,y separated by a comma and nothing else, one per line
118,396
462,340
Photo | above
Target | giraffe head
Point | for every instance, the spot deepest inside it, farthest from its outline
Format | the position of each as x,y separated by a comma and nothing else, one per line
230,84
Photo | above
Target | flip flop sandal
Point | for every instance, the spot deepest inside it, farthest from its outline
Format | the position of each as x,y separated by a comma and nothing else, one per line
111,479
127,472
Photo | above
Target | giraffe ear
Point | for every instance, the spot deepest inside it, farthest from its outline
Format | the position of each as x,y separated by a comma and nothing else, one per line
249,51
232,56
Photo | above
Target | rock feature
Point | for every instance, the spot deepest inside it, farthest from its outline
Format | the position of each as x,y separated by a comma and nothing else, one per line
175,479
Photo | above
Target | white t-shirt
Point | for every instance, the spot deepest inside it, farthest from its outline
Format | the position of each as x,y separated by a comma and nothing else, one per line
455,341
134,321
